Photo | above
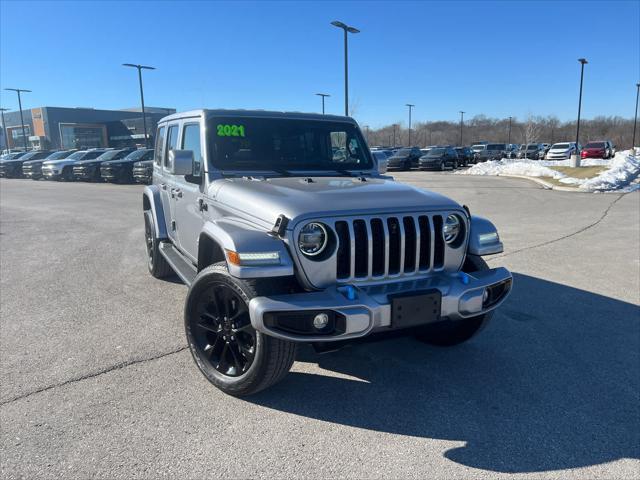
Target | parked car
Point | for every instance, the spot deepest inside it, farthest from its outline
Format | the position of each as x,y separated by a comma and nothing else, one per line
492,151
405,159
439,158
143,172
596,150
465,156
121,169
512,150
561,151
33,167
546,147
532,151
11,165
62,169
286,246
89,168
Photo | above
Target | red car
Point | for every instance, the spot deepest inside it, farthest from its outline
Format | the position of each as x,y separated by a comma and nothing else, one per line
595,150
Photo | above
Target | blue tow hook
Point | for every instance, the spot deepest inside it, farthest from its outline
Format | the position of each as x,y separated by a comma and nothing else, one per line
464,278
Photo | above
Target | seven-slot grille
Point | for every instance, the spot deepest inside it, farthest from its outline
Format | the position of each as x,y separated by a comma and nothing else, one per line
388,246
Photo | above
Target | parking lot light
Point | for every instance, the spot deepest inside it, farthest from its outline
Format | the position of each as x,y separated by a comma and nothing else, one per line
509,142
575,158
635,120
410,105
24,136
461,124
347,29
144,118
323,95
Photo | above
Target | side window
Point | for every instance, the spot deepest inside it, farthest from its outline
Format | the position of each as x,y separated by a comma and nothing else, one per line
159,145
172,142
191,141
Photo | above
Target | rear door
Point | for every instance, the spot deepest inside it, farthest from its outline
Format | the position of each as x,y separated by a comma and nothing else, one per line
187,191
166,179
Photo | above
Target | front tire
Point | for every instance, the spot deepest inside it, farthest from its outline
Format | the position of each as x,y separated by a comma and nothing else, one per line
229,352
156,263
454,332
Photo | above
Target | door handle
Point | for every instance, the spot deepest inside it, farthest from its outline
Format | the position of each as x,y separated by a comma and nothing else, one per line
163,186
178,192
202,206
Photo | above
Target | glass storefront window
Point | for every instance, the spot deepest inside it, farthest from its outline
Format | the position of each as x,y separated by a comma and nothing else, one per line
82,136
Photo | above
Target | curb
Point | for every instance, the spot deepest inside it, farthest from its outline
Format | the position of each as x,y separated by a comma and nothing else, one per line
544,184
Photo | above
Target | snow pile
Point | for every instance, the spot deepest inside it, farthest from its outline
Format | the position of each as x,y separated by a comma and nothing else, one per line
622,170
507,166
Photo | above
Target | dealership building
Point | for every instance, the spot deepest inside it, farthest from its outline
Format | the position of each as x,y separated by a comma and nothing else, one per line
57,128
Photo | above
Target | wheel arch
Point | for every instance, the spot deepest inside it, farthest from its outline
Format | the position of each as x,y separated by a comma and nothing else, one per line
151,201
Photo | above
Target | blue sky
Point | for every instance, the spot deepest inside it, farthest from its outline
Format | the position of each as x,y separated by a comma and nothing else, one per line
493,58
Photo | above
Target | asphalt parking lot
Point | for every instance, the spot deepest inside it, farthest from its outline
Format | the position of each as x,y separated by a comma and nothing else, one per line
96,379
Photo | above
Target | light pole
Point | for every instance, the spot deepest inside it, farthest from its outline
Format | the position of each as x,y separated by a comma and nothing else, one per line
410,105
24,136
394,134
576,156
4,129
461,123
347,29
144,118
366,128
323,95
509,142
635,120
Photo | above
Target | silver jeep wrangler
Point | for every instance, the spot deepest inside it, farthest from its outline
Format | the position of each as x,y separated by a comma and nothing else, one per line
285,231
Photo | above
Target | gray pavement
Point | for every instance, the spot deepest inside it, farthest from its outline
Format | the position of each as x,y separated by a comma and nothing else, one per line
95,379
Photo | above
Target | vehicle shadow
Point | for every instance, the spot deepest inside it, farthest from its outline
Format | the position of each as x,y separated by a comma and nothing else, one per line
551,383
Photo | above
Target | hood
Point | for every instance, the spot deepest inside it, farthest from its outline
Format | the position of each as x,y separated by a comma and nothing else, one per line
402,157
144,163
87,162
62,161
325,196
560,150
117,162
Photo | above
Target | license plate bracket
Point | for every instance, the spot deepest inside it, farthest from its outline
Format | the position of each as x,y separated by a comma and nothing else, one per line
415,308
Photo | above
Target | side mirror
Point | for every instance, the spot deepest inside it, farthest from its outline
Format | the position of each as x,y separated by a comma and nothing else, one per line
382,166
181,162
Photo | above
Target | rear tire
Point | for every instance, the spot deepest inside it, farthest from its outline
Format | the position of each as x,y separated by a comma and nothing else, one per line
229,352
453,332
156,263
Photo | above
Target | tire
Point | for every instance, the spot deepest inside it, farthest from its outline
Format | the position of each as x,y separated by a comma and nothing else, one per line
449,333
156,263
443,166
238,360
455,165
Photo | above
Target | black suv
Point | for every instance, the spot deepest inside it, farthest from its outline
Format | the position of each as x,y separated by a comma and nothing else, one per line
121,169
32,168
90,169
465,156
404,159
439,158
11,166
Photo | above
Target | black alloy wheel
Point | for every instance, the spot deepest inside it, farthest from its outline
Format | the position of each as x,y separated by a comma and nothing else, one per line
222,331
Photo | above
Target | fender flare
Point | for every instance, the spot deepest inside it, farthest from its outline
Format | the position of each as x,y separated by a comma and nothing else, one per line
151,200
236,236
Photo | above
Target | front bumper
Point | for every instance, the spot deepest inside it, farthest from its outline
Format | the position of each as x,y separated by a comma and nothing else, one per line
368,308
86,173
113,173
10,171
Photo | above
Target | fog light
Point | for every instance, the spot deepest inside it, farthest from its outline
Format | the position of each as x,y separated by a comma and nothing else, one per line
485,296
320,321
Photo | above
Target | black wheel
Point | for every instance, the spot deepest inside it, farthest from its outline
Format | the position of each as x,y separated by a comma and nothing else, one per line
229,352
455,165
443,166
449,333
156,263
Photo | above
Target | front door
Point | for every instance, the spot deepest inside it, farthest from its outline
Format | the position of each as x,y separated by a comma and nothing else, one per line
186,193
167,182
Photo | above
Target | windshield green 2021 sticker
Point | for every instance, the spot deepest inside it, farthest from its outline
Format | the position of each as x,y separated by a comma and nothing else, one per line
230,130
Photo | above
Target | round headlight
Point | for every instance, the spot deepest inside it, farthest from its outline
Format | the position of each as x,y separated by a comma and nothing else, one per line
312,239
451,228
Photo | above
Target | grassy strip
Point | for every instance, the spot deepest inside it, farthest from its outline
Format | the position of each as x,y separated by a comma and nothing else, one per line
580,172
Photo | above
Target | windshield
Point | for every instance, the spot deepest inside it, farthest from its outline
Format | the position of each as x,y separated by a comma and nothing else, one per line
435,152
563,146
109,155
76,156
532,147
477,148
58,155
594,145
496,146
403,152
137,154
247,143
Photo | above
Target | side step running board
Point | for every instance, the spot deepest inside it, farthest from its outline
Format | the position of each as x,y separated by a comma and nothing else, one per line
183,267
